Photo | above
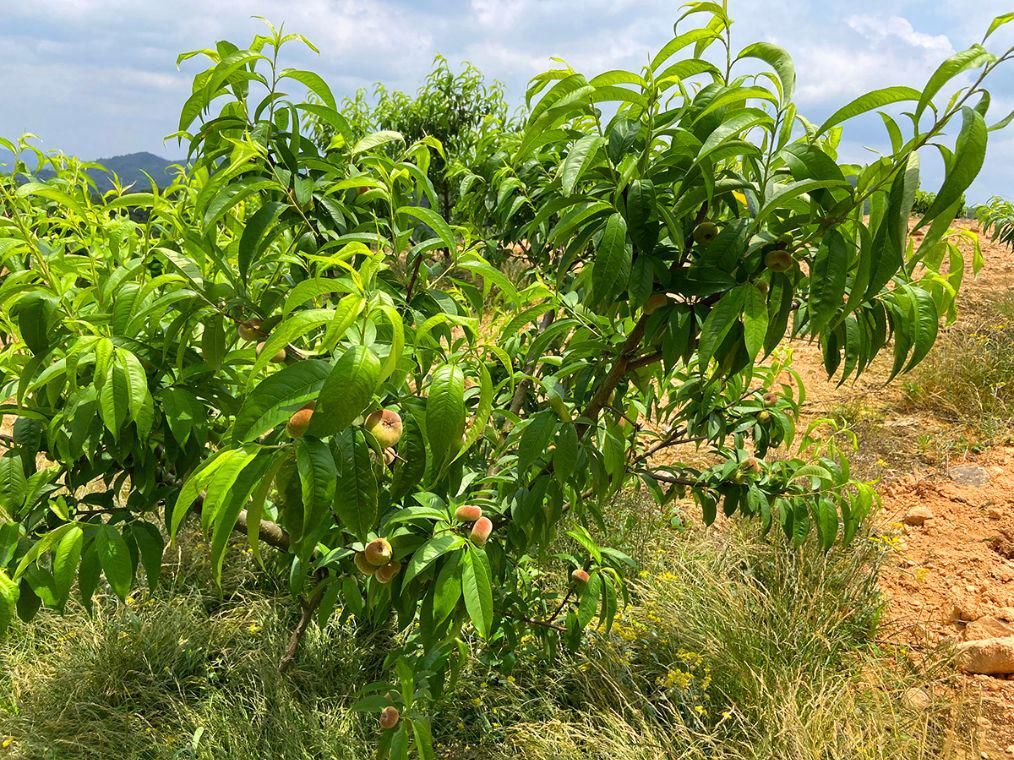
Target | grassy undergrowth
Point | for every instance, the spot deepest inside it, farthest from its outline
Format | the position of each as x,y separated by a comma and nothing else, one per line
734,646
969,376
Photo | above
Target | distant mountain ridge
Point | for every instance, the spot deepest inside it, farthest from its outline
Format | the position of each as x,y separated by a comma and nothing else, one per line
130,168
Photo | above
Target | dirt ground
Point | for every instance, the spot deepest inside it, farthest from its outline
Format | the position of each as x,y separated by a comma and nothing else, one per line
958,566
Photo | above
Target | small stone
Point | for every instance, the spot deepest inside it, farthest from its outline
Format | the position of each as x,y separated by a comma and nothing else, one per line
994,513
969,475
916,699
917,515
990,657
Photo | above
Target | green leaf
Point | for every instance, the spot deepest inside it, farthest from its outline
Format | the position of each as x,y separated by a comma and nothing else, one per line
429,552
482,412
318,476
589,603
347,391
293,327
313,82
535,437
375,140
1001,20
580,157
828,280
66,558
972,58
778,59
613,257
720,321
477,589
969,156
114,557
869,102
445,414
113,400
435,222
447,589
276,397
755,320
150,546
355,501
9,592
253,235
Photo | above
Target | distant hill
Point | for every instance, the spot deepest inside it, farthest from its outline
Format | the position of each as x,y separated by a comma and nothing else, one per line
130,168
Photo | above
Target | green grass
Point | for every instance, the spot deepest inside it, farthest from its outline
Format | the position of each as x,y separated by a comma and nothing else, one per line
969,375
734,647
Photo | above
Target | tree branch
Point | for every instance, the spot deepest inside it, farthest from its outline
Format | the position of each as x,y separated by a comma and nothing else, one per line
309,606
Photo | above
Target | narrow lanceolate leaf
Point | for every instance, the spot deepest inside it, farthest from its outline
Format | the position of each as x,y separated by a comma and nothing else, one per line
969,155
276,397
447,589
477,589
317,476
777,59
355,500
435,222
482,411
869,102
114,403
972,58
346,392
252,239
114,557
719,322
66,558
150,546
613,257
287,331
927,323
397,341
755,320
429,552
580,157
827,280
9,593
445,414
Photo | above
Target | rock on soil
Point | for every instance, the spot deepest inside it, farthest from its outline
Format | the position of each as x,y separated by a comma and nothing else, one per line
992,657
969,475
917,515
988,628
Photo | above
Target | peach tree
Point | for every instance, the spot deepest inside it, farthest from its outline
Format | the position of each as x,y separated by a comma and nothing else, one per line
286,348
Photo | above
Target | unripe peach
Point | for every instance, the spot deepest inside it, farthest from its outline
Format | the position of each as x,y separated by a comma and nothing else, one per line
309,405
752,464
378,552
580,576
385,426
278,357
363,565
770,398
655,303
389,717
705,232
763,415
387,572
389,456
250,330
298,423
481,530
468,513
779,261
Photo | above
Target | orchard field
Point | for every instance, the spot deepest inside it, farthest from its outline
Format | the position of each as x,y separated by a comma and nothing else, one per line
636,423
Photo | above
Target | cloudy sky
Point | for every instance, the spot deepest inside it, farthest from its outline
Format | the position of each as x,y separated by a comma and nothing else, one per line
99,78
